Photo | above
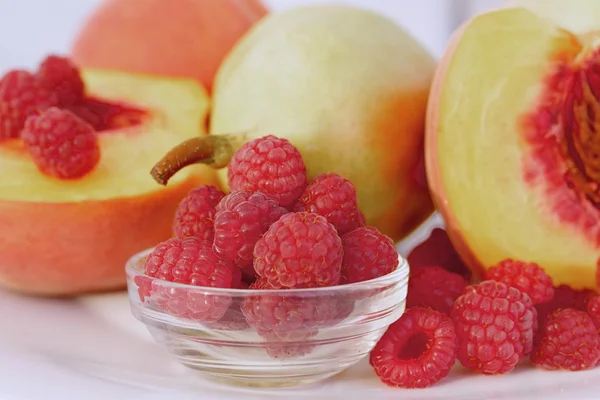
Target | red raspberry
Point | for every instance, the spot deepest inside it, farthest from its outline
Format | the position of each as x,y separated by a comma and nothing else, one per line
61,144
564,297
593,310
269,165
569,341
286,320
333,197
191,261
241,218
368,254
435,288
59,75
195,214
21,95
527,277
495,326
438,250
416,351
300,250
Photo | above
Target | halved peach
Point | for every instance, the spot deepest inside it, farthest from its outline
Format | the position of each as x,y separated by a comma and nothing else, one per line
66,237
512,153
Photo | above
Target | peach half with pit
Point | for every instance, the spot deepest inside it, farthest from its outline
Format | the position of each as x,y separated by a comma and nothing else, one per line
61,238
513,142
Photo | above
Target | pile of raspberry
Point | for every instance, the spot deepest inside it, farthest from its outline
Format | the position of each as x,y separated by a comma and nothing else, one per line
490,327
41,109
274,230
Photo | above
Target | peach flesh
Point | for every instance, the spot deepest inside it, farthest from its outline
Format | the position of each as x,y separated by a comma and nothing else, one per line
565,152
487,166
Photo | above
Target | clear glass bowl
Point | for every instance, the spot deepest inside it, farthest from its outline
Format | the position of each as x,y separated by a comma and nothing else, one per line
274,338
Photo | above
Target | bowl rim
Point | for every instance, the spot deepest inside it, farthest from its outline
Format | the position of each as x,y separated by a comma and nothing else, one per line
132,269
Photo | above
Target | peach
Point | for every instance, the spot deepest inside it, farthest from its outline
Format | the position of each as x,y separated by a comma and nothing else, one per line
511,150
61,238
185,38
350,96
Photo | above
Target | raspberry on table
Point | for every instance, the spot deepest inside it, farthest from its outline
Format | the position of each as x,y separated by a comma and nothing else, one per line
434,287
417,350
527,277
61,144
438,250
270,165
495,326
593,310
568,341
191,261
241,218
564,297
61,76
300,250
195,213
368,254
21,95
333,197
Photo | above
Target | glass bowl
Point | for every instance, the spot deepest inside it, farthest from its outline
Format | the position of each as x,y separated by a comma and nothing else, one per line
266,338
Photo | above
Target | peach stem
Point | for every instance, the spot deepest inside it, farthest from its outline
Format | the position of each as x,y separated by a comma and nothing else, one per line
212,150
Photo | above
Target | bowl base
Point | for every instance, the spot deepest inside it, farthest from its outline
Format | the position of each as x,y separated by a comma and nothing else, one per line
242,379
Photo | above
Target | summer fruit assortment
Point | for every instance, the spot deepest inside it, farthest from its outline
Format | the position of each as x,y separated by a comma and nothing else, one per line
75,149
359,114
274,230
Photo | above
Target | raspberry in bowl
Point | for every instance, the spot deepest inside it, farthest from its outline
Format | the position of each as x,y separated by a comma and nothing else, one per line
265,335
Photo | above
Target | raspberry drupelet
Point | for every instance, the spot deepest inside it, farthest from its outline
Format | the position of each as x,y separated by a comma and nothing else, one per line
435,288
300,250
495,325
21,95
195,213
241,218
527,277
61,144
333,197
61,76
270,165
416,351
368,254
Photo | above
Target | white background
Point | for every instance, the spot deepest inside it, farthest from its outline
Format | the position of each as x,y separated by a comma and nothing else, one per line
29,29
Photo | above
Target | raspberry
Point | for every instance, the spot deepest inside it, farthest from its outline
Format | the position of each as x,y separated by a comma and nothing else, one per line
368,254
569,341
438,250
300,250
564,297
269,165
59,75
195,214
527,277
287,320
435,288
191,261
495,326
61,144
333,197
593,310
241,218
21,95
416,351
